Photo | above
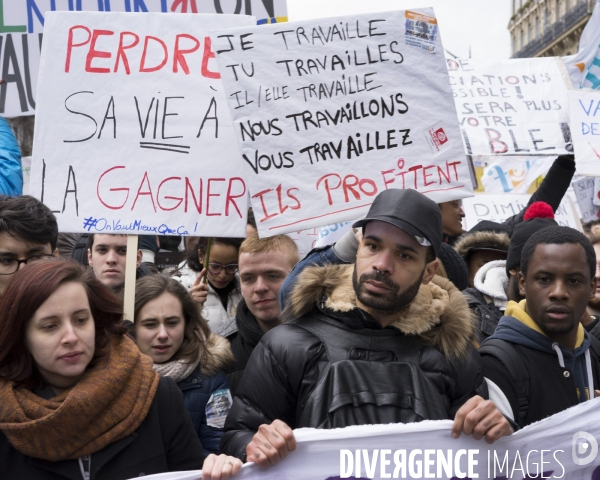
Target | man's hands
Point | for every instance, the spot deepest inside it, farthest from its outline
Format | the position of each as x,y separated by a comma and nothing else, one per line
199,290
479,417
220,467
270,444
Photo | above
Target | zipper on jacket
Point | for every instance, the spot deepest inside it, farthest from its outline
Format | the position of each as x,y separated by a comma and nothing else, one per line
85,465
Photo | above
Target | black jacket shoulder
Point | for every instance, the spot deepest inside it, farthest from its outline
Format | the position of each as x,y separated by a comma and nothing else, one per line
165,441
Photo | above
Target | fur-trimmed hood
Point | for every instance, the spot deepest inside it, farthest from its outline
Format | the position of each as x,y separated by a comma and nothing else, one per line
219,355
439,314
481,240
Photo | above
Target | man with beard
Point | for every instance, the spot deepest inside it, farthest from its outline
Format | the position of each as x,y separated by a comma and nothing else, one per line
380,341
540,356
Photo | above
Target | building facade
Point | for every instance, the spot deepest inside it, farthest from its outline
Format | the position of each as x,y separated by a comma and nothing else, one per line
548,28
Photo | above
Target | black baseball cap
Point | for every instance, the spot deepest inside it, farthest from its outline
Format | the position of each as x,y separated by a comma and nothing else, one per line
410,211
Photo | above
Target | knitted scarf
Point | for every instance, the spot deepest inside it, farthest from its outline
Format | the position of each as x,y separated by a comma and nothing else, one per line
176,369
249,331
109,403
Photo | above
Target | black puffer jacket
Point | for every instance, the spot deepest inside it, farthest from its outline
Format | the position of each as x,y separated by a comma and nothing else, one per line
335,366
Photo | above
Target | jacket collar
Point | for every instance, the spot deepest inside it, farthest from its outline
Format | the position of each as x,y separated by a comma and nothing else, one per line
439,314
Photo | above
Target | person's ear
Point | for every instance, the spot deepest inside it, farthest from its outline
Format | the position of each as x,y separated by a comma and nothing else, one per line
138,260
430,271
89,252
522,289
55,252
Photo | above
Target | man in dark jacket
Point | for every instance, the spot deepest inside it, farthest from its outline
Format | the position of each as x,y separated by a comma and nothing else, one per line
540,356
263,264
374,342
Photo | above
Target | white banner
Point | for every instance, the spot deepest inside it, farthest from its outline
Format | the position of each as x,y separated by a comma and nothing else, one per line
584,66
563,446
22,23
514,174
511,107
330,112
133,134
498,208
585,125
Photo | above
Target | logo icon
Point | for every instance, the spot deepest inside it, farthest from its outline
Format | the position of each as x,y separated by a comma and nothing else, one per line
585,448
441,136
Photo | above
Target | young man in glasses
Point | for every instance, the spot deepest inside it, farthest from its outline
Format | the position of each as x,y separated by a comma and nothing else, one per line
28,233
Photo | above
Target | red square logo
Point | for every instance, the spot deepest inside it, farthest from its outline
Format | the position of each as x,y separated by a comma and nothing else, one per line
441,136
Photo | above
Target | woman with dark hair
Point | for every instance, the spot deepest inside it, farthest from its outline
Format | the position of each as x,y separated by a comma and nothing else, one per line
220,298
77,397
169,329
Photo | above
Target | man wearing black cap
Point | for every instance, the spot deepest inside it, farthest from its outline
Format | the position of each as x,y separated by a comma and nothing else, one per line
379,341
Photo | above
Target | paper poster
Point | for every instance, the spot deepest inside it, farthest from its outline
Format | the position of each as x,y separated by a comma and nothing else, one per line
22,24
563,446
511,107
514,174
586,192
585,125
133,134
498,208
330,112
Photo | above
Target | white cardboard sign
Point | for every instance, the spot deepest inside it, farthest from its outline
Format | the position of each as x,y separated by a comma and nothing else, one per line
585,125
22,24
133,134
498,208
585,193
511,107
330,112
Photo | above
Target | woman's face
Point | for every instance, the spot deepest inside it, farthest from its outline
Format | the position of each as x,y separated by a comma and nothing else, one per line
220,257
61,336
160,327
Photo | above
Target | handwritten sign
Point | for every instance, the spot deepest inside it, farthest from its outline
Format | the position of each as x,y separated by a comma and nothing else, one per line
133,134
585,125
585,193
498,208
331,112
22,25
511,107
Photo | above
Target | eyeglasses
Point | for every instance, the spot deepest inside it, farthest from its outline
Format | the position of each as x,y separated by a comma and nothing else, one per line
216,268
10,265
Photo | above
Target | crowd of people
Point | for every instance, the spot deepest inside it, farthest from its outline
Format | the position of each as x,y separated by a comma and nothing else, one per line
406,318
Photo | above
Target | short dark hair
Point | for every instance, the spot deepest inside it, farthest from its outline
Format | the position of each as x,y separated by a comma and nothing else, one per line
429,255
90,240
29,219
557,235
192,257
29,289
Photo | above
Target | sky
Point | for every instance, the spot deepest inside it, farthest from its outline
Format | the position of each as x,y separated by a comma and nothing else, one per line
481,25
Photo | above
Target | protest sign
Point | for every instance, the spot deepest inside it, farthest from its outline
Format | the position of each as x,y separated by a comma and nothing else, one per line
585,125
498,208
511,107
305,240
22,25
562,446
330,112
133,134
514,174
585,193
